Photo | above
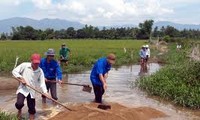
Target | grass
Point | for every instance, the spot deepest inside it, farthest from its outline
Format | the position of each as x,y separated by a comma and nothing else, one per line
7,116
178,81
84,52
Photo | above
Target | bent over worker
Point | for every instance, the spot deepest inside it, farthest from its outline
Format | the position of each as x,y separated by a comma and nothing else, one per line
31,74
52,73
99,74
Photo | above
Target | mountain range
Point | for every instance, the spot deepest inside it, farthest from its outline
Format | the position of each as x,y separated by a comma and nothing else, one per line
57,24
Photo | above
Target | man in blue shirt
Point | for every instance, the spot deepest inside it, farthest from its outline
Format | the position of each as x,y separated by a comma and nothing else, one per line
52,72
99,74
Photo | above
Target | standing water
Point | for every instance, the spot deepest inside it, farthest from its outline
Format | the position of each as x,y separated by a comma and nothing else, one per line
121,89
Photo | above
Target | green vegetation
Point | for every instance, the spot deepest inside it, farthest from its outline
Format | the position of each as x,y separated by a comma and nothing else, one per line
84,52
178,80
7,116
87,32
143,31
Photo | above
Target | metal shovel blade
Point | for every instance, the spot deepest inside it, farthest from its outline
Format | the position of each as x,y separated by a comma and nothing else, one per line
87,88
104,107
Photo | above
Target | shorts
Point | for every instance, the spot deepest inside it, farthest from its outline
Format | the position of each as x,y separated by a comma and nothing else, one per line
147,58
142,60
63,60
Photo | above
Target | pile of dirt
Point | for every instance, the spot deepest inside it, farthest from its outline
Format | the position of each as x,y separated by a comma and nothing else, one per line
117,112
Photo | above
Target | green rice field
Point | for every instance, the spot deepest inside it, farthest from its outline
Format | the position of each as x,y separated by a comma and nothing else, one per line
83,52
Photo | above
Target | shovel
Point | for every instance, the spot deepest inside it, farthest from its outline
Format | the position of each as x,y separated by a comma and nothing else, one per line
86,88
45,95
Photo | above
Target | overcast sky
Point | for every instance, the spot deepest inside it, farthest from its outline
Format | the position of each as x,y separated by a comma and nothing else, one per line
104,12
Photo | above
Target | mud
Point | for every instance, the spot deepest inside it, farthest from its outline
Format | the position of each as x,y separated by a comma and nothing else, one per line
117,112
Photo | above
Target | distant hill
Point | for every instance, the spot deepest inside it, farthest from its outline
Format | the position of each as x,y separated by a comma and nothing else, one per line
159,24
176,25
57,24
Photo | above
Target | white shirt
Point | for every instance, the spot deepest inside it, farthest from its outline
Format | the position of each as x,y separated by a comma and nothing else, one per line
178,46
32,78
148,52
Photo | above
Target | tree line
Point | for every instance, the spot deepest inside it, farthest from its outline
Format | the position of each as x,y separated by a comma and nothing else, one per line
143,31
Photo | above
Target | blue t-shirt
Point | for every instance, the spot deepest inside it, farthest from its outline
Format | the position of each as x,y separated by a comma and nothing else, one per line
100,67
51,70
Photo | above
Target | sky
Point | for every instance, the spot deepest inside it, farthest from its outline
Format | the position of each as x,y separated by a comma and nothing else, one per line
104,12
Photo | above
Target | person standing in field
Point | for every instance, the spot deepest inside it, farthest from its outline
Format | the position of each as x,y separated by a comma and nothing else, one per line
178,46
99,75
64,54
142,54
147,53
30,74
52,73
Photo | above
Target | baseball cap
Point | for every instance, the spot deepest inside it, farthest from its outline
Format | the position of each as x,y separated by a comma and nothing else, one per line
147,46
111,57
50,51
35,58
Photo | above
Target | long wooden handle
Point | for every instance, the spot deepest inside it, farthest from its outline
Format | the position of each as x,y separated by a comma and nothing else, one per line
45,95
53,81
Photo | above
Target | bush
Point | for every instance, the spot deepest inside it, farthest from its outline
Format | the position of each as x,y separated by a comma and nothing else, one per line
178,81
7,116
168,39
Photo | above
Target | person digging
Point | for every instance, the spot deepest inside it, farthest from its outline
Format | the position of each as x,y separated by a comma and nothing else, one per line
99,75
52,73
29,74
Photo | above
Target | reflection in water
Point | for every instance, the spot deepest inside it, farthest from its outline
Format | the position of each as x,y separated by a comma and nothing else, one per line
145,70
121,89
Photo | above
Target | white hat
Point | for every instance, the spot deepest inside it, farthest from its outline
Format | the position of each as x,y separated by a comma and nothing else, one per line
143,46
50,52
147,46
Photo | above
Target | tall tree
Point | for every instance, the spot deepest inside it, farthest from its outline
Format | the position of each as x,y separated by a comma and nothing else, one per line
71,33
3,36
145,29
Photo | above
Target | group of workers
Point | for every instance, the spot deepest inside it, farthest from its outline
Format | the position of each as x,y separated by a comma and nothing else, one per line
46,72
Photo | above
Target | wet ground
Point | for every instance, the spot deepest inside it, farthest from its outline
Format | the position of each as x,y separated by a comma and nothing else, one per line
121,89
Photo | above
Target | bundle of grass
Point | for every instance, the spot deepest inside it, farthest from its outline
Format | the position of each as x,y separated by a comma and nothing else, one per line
7,116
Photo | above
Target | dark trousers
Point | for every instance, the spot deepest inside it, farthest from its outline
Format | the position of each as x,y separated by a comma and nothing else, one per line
147,58
30,103
98,91
52,87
